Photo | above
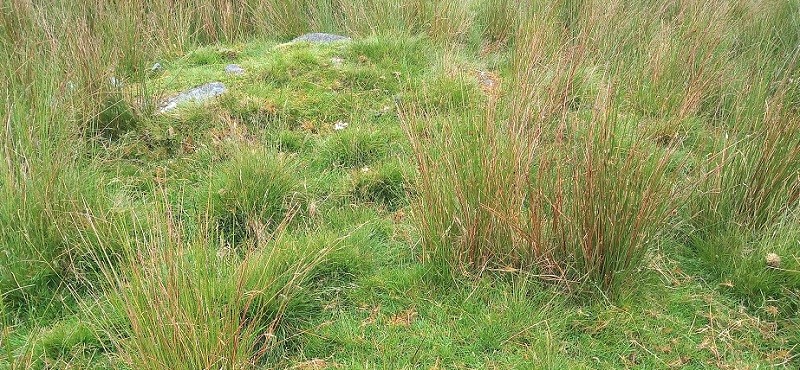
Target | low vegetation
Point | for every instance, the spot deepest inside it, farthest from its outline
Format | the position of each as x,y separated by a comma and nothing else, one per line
462,184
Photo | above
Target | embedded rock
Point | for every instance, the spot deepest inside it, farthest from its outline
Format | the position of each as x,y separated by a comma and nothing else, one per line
337,61
320,38
198,94
234,69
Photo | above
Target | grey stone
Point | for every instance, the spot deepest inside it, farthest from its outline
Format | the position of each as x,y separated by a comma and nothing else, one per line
320,38
340,125
234,69
115,82
156,68
198,94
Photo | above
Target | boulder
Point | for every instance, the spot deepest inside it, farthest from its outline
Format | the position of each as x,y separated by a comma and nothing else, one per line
198,94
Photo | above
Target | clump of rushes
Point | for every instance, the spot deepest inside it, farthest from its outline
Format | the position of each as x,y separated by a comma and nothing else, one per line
573,197
754,177
252,193
597,203
498,19
748,195
55,231
465,169
581,210
188,306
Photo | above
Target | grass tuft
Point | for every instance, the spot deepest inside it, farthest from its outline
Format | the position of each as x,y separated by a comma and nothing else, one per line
353,148
251,194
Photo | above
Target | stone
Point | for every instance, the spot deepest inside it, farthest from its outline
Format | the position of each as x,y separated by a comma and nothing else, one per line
773,260
198,94
340,125
156,67
320,38
234,69
115,82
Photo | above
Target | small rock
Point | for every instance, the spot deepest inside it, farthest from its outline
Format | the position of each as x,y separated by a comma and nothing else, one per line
234,69
773,260
340,125
320,38
156,68
115,82
337,62
198,95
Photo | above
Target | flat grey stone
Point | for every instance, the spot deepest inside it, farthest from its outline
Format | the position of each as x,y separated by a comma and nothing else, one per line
320,38
234,69
198,94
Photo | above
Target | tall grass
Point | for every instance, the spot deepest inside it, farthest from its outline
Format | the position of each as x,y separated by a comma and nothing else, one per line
582,209
754,179
180,301
563,175
57,61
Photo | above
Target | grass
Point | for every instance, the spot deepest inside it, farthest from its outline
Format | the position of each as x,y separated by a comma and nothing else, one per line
251,194
479,184
190,306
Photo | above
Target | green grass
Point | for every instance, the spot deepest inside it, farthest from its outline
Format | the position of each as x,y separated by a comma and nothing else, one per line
572,184
251,194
